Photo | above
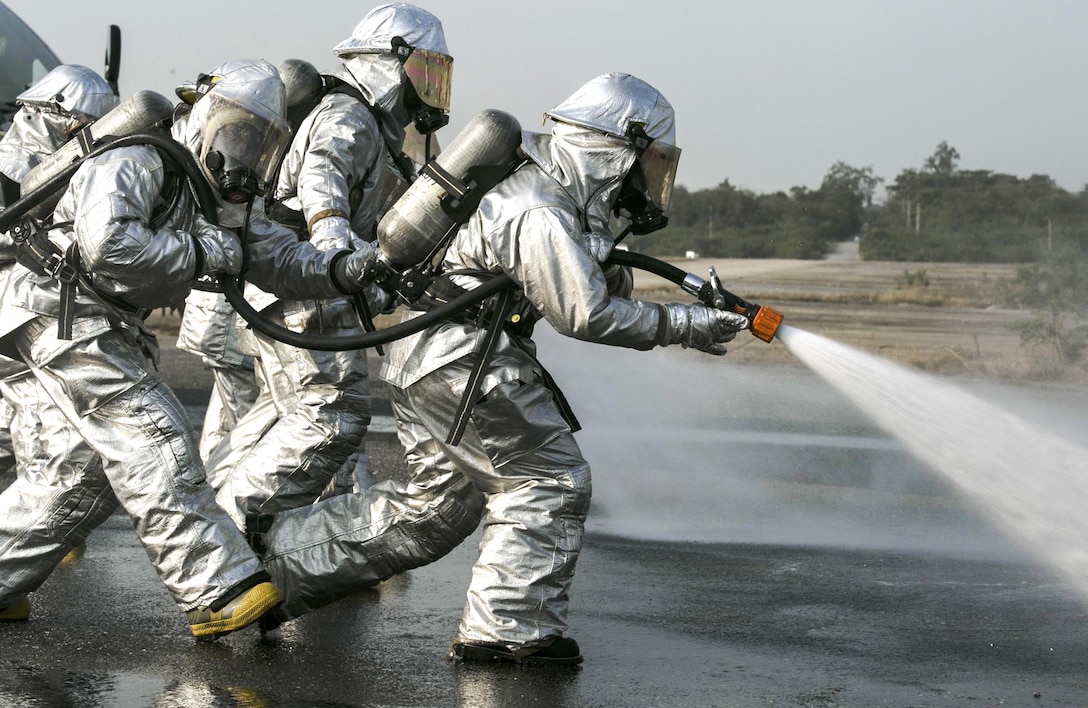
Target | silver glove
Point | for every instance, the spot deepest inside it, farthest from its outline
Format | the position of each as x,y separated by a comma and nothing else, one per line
222,249
351,270
701,327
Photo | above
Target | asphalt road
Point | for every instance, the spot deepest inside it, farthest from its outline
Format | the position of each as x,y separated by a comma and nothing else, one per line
659,622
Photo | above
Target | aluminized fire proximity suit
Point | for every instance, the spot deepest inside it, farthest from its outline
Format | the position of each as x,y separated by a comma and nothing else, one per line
313,407
543,226
45,446
104,378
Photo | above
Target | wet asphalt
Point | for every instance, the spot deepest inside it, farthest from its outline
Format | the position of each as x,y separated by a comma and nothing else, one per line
660,623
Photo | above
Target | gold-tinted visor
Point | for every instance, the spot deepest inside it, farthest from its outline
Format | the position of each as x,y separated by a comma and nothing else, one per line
430,74
659,162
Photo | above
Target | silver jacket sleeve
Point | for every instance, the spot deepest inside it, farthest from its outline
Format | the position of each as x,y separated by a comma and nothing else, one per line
334,166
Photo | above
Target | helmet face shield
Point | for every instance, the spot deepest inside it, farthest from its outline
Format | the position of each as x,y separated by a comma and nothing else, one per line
659,162
430,74
241,148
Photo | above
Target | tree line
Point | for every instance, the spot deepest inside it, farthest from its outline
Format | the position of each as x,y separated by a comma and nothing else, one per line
931,214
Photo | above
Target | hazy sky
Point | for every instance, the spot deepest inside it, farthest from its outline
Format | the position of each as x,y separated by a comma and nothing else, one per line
768,93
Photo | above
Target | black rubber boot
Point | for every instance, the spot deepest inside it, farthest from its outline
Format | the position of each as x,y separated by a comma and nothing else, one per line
560,651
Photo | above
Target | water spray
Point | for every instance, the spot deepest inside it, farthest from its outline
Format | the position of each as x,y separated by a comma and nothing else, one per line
1030,482
764,320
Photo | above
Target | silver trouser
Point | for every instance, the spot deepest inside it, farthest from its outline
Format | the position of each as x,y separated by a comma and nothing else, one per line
353,476
310,415
59,497
7,449
320,553
234,389
105,384
517,450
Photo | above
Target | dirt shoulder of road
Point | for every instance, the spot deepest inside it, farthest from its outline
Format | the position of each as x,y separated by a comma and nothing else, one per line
939,317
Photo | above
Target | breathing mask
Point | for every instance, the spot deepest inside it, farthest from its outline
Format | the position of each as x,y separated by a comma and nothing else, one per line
238,110
239,148
647,187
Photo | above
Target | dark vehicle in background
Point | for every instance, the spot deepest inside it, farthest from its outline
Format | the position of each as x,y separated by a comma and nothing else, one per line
24,59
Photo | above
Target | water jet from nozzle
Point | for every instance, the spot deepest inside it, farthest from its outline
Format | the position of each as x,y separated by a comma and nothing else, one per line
1031,483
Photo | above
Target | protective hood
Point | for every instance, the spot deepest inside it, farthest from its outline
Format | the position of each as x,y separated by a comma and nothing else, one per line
51,111
378,76
416,86
72,89
627,107
34,134
588,164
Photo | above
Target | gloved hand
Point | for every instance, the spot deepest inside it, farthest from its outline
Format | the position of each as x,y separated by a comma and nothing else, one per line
350,271
222,249
701,327
598,246
332,233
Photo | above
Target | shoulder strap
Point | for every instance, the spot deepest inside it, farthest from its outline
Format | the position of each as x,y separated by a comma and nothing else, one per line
173,185
10,189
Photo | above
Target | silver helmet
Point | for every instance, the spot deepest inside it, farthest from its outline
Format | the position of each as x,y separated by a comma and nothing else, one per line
50,112
73,90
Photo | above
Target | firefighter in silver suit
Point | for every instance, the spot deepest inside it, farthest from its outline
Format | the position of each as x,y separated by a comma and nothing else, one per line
129,219
313,407
43,445
210,327
611,150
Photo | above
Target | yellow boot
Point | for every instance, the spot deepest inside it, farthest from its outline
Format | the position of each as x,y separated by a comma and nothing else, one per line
240,612
18,612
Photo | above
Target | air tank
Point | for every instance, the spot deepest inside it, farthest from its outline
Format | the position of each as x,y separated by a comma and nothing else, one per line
140,111
417,223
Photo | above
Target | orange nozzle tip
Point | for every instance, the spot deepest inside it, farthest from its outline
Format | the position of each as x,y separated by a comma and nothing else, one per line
765,323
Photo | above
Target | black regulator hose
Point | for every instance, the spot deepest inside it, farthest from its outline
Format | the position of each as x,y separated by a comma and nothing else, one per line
336,343
650,264
230,287
208,203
